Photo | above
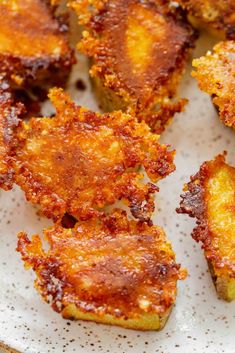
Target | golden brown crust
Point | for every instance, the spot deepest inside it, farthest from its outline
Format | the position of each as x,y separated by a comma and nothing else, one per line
10,113
138,49
215,73
33,46
209,197
107,265
217,14
80,161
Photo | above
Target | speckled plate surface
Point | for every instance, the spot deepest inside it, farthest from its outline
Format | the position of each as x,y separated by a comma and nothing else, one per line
199,322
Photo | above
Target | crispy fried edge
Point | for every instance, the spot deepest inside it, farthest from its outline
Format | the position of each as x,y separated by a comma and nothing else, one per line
47,71
193,204
10,114
217,100
157,120
31,252
112,99
158,163
216,28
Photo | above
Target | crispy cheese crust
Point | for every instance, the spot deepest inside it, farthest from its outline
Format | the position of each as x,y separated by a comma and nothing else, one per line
216,14
80,161
108,270
138,51
215,74
10,113
210,198
33,47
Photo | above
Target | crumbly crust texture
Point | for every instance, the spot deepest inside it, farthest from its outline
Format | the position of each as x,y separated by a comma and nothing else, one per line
217,14
79,161
33,47
215,74
10,114
136,61
105,267
209,197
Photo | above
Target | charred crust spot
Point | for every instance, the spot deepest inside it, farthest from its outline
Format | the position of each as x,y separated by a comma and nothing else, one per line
68,221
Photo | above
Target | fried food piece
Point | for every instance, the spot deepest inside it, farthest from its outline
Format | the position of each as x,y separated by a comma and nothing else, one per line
34,52
138,50
219,15
9,118
210,198
216,75
80,161
108,270
33,48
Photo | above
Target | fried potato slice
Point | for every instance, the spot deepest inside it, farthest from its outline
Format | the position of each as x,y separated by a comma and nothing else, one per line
80,161
108,270
9,118
138,50
219,15
33,47
215,74
210,198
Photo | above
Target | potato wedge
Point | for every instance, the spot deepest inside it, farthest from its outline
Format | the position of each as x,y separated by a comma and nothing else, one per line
216,15
108,269
210,198
138,51
215,74
33,48
80,161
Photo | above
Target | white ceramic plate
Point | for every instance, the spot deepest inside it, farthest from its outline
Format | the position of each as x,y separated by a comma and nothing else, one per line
199,323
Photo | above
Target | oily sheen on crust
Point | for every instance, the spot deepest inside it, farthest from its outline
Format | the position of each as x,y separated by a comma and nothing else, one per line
106,269
80,161
136,61
34,48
